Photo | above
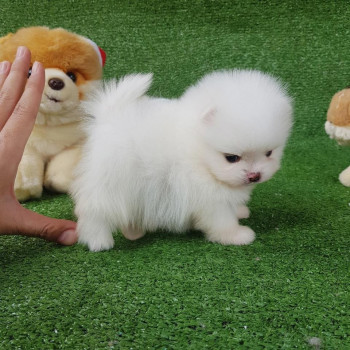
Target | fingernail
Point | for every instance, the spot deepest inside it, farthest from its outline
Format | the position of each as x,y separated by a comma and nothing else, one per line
21,51
35,67
68,237
4,66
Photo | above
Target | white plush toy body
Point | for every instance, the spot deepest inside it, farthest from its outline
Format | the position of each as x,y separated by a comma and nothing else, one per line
152,163
55,142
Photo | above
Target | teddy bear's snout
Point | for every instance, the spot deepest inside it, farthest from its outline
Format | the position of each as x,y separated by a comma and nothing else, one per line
56,84
61,94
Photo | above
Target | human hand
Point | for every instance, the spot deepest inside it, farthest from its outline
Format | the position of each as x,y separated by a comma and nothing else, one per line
19,103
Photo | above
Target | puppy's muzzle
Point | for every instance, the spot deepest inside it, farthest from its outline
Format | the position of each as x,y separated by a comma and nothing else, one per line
253,177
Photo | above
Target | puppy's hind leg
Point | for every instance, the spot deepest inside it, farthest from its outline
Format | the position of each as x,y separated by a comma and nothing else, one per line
133,233
95,232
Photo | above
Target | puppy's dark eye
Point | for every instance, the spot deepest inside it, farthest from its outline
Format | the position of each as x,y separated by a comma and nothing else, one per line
268,154
232,158
29,72
72,76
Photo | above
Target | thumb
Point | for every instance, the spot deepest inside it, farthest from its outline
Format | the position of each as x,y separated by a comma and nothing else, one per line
32,224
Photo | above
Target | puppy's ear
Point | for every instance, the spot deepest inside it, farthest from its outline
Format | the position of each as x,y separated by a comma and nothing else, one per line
209,115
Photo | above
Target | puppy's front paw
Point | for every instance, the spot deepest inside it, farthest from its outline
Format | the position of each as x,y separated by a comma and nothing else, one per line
242,212
97,244
344,177
95,234
240,235
244,235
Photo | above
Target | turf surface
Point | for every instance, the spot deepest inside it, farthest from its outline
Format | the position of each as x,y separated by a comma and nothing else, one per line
290,288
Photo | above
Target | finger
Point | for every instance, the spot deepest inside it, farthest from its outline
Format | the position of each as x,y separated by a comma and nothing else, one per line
18,128
28,223
55,230
13,86
4,71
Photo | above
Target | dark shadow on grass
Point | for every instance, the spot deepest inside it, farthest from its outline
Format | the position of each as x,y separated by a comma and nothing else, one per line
263,220
268,219
159,236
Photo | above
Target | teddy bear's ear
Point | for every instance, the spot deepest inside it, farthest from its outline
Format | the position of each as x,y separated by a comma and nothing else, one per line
5,38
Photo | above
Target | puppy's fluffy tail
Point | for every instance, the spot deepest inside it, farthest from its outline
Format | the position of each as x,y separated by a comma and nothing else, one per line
115,94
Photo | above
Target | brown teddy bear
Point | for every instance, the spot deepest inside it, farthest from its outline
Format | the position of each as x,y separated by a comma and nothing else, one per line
338,125
72,64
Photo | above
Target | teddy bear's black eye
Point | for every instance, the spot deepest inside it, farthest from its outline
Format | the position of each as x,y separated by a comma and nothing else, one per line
72,76
29,72
232,158
268,154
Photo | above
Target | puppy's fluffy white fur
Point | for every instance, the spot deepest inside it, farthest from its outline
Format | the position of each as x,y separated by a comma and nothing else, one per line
152,163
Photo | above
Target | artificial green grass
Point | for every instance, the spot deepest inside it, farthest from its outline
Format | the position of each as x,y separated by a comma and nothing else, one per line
170,291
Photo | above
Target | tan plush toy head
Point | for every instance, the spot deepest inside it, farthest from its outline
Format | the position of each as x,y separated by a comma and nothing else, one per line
56,48
338,125
338,117
70,60
72,65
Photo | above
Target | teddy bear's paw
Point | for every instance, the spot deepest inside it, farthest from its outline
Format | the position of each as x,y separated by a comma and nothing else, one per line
344,177
26,191
29,177
59,173
58,182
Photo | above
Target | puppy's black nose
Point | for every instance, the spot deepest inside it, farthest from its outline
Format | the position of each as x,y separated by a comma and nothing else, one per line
56,84
254,177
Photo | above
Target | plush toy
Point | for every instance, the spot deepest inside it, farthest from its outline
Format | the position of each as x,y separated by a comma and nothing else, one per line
338,125
72,64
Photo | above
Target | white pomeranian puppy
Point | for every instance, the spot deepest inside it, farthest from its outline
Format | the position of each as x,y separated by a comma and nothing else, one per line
179,164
